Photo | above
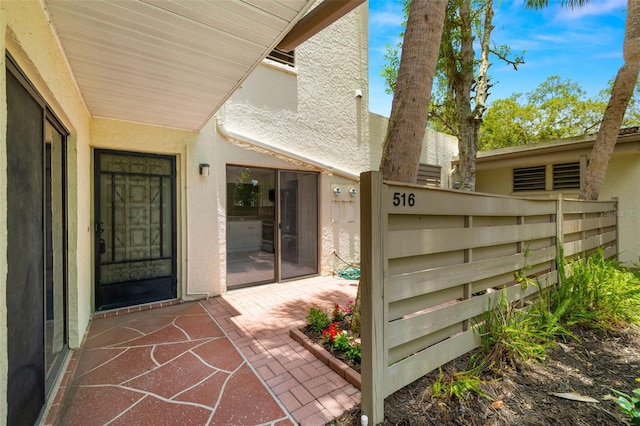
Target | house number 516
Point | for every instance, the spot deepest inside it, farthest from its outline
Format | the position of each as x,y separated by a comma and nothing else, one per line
404,199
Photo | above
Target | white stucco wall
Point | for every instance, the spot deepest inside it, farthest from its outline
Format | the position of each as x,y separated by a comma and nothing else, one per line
437,149
313,110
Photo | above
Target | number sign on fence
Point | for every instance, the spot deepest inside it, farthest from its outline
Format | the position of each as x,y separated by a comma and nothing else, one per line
432,260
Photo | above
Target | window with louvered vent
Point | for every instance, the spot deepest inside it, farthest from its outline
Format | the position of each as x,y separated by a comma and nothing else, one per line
529,178
429,174
286,58
566,176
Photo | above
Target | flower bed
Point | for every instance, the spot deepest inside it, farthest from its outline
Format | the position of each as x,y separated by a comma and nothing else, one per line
327,335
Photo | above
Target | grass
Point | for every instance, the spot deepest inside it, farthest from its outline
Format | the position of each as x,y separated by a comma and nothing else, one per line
457,385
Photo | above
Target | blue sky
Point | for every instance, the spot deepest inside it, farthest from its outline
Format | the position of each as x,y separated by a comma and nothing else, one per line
583,44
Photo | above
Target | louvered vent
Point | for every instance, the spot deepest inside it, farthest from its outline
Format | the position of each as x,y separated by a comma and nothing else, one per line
286,58
429,174
529,178
566,176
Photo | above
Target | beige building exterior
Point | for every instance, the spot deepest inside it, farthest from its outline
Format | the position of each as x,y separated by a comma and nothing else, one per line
165,161
555,168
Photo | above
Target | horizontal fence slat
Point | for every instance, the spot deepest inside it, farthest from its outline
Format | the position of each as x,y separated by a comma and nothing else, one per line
436,201
426,301
410,348
610,252
416,283
590,243
409,369
415,242
421,282
580,206
545,280
579,225
407,329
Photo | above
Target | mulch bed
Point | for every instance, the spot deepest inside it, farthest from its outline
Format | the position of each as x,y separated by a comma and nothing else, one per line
599,362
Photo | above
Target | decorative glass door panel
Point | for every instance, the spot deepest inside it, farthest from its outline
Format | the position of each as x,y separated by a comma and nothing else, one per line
135,229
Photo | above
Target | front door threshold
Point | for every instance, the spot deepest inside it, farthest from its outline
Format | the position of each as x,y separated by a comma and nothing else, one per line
136,308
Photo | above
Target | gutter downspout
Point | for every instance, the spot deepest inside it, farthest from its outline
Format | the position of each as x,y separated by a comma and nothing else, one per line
240,139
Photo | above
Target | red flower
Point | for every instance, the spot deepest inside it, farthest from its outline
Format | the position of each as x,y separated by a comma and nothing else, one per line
330,332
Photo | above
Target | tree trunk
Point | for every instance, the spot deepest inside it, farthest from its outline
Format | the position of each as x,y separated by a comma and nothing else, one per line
631,45
622,91
410,106
469,121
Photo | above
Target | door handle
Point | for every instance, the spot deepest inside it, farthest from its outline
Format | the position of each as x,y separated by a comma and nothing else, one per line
103,243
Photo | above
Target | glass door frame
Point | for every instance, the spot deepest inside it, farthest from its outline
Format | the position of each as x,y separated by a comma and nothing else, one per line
52,119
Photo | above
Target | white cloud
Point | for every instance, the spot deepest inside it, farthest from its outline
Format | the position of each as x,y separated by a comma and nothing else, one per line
593,8
389,15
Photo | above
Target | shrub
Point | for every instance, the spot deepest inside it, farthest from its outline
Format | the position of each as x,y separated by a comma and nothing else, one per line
341,342
457,384
598,294
510,335
355,352
317,319
630,405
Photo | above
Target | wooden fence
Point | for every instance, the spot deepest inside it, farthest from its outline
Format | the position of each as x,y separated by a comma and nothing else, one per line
429,254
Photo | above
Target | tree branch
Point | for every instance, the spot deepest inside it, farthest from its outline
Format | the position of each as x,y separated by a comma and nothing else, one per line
513,62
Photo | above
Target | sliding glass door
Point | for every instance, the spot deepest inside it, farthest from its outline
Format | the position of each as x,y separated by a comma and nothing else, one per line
36,248
272,225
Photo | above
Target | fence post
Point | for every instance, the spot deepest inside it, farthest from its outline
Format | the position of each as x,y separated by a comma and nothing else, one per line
372,302
559,236
616,203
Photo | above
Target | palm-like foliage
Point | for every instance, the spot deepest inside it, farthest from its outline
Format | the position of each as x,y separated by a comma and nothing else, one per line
541,4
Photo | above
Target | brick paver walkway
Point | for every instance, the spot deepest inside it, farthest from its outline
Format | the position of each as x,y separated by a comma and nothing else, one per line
258,321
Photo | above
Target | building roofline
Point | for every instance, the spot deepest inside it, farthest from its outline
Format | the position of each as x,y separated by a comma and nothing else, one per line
629,139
